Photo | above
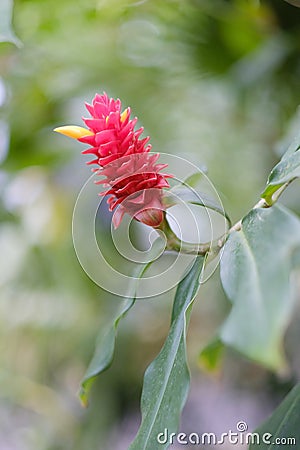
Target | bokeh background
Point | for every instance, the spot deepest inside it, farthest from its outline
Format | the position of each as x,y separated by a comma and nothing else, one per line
214,81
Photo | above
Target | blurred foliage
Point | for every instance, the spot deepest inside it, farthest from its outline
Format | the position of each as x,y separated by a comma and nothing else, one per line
216,82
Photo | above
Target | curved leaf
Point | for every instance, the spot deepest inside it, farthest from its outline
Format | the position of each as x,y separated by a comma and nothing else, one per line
6,32
104,352
294,2
255,271
285,171
211,355
193,179
105,345
166,380
190,195
282,429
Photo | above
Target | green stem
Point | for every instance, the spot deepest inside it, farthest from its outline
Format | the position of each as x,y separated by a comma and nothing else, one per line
212,248
262,203
173,243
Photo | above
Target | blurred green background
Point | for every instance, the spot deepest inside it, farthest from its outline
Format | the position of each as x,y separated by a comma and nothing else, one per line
214,81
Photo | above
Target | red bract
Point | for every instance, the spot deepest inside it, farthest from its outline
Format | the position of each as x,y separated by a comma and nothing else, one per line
136,185
132,175
113,132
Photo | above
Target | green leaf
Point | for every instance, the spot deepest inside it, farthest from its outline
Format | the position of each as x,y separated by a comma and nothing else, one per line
294,2
293,147
282,429
211,355
166,380
255,272
6,32
296,259
104,352
285,171
105,345
193,179
190,195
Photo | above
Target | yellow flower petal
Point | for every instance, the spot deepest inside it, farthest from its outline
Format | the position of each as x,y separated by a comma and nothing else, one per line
124,115
73,131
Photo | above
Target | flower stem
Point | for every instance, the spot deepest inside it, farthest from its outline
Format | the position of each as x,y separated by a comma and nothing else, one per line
212,248
173,243
262,203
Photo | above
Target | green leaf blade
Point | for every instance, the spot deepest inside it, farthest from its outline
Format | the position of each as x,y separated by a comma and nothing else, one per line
166,381
294,2
285,171
255,273
282,425
103,355
211,355
105,345
193,179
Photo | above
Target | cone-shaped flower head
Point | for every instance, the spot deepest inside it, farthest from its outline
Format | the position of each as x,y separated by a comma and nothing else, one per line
110,132
132,175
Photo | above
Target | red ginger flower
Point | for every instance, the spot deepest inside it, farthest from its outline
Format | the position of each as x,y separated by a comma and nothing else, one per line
131,173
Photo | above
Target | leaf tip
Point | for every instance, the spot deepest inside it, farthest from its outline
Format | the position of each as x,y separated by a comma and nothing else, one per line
83,397
211,357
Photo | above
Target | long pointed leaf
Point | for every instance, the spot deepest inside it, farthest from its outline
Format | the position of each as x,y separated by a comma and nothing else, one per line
166,380
285,171
105,345
282,429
